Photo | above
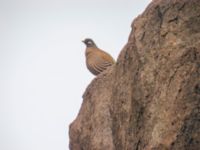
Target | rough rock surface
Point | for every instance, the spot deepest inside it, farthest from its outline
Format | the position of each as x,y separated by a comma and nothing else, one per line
150,99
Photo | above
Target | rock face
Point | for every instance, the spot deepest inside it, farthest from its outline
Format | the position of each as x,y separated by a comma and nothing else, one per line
150,99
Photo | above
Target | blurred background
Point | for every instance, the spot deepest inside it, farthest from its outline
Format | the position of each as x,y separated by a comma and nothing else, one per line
42,64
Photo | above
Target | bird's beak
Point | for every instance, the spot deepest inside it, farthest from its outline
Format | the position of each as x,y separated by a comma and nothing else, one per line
83,41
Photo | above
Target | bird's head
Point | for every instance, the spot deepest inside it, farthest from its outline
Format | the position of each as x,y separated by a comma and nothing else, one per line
89,42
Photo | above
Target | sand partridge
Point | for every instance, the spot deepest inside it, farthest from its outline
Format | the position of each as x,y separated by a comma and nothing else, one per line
97,60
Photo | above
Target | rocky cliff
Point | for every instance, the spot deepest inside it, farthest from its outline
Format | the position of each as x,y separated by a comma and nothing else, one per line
150,99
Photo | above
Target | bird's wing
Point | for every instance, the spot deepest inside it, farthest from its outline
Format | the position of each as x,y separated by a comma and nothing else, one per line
92,67
101,63
98,61
106,57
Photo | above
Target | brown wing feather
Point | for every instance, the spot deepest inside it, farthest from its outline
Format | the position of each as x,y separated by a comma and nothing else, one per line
98,61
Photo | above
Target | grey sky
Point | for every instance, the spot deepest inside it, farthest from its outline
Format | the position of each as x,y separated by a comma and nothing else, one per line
42,64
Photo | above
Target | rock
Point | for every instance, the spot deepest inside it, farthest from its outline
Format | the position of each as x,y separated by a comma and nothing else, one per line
150,99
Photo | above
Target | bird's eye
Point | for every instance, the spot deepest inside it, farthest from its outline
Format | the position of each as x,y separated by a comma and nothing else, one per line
89,42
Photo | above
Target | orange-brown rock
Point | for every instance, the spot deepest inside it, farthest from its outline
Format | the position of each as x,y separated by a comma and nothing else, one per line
150,99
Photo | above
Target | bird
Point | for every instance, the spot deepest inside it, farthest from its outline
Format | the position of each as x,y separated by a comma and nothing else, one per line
97,60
